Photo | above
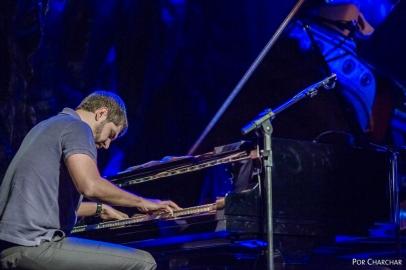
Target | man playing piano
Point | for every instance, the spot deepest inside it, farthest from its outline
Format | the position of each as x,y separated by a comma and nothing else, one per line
41,193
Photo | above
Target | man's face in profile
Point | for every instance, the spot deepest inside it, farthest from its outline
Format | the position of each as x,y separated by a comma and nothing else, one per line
105,133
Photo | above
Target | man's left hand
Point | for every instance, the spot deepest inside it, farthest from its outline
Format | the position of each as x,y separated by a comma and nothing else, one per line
109,213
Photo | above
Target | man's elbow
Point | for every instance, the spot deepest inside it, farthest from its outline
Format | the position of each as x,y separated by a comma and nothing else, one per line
89,190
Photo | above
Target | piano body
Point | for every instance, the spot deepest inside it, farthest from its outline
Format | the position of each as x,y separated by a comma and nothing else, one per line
320,191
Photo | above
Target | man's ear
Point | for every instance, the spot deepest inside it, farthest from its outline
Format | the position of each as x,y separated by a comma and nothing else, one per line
101,114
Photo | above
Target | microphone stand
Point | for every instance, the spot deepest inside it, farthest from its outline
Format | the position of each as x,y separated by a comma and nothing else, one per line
262,124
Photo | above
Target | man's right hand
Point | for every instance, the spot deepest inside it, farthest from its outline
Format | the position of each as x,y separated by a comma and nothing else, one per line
153,205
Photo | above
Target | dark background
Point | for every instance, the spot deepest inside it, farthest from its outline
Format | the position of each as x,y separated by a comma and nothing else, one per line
174,62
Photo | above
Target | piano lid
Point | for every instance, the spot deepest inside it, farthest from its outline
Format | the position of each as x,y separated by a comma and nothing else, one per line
170,166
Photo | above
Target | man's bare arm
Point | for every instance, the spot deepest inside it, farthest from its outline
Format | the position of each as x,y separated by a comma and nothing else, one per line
88,182
87,209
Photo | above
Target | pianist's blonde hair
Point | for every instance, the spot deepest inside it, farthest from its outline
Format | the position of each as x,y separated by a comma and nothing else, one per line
115,105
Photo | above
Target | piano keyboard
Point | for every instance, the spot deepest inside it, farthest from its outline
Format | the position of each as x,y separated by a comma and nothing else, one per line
140,218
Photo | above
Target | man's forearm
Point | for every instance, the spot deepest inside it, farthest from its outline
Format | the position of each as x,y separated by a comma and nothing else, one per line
87,180
86,209
107,192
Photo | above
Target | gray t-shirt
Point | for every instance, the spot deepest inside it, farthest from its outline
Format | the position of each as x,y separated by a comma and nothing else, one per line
37,195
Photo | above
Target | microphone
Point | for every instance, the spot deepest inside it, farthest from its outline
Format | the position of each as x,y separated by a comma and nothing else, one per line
330,82
311,91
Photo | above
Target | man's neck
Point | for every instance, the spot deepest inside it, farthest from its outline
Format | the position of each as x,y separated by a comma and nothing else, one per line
87,117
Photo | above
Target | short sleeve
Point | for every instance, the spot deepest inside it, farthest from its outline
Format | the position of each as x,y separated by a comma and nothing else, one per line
77,138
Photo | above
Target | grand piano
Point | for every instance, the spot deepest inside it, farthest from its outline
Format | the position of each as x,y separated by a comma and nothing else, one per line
320,191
